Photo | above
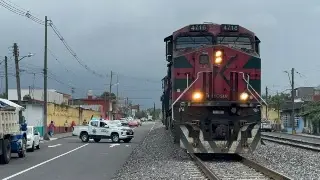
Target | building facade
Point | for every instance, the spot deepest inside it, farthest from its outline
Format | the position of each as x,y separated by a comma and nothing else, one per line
53,96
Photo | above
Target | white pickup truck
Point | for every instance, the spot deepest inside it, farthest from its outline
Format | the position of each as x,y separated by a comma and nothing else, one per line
266,126
102,129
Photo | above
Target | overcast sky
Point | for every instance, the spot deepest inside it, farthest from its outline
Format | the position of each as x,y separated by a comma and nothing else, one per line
127,38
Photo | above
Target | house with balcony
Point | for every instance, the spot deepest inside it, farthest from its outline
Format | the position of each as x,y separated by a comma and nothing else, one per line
302,95
105,105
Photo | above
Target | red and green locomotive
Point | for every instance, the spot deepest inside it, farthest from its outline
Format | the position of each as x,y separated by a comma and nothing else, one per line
212,91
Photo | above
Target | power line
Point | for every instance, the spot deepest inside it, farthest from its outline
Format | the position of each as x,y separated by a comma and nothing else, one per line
13,8
23,12
56,58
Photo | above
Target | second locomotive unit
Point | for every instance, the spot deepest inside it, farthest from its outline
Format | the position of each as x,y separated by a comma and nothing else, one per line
211,99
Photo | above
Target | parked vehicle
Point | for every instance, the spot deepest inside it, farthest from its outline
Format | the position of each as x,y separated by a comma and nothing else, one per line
133,123
102,129
139,122
33,138
266,126
13,137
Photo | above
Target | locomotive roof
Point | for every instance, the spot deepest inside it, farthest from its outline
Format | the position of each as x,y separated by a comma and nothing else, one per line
212,28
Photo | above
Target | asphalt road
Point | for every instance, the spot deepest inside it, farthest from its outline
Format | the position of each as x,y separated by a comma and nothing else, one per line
71,159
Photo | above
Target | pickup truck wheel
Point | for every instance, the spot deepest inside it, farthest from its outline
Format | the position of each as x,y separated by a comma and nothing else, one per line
127,140
115,137
84,137
22,153
6,152
97,139
38,146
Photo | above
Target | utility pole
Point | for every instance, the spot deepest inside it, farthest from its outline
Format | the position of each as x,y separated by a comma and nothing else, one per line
6,74
154,110
278,106
267,103
72,94
45,79
110,97
292,101
117,87
16,60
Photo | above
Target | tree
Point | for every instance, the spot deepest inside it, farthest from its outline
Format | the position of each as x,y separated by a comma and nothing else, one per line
27,97
155,114
107,94
3,95
275,102
141,114
311,111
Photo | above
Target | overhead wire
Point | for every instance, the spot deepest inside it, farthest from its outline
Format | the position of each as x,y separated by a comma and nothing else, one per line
23,12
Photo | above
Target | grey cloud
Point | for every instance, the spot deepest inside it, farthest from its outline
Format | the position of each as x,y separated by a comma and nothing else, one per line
127,37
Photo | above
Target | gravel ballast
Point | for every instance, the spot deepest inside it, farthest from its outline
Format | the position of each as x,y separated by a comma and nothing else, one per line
294,162
158,158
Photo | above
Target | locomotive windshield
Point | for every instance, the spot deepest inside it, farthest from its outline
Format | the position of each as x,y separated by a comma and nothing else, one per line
193,41
236,42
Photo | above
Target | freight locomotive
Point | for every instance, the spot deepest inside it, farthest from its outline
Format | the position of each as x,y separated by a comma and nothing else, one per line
211,99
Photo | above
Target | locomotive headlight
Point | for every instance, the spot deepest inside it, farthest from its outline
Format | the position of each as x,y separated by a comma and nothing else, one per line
244,96
197,96
218,53
218,60
218,57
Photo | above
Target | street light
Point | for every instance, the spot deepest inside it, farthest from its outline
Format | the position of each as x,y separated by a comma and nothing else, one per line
29,55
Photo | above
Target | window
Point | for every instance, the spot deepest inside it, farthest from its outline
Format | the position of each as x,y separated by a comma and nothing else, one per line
193,41
102,124
204,59
94,123
236,42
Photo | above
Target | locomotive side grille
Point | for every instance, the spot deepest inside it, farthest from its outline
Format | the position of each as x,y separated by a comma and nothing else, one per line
234,82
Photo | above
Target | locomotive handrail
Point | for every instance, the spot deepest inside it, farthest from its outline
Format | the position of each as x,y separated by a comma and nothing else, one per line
249,85
188,87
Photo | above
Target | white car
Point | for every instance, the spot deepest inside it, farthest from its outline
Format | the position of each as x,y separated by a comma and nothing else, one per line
33,138
102,129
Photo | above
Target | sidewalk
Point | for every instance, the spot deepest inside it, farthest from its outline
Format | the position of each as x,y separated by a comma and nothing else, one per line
59,136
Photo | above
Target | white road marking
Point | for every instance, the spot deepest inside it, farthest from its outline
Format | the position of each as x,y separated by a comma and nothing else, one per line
113,145
154,123
40,164
127,145
55,145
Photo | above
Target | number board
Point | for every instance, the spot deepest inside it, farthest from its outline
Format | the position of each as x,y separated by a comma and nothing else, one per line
230,27
198,27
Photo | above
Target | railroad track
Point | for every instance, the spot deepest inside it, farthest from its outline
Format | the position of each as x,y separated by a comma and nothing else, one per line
236,168
292,142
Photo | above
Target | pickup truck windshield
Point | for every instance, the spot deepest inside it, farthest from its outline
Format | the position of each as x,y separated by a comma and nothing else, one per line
193,41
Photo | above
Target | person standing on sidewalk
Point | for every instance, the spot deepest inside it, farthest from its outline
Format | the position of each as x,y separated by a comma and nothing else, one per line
72,125
66,126
51,128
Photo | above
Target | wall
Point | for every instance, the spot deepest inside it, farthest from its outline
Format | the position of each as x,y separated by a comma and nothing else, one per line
34,116
272,114
59,114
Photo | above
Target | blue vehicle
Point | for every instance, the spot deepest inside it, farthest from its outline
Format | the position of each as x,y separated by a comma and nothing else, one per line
13,136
